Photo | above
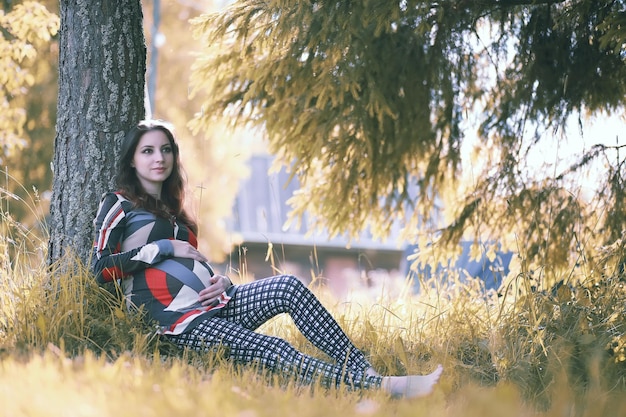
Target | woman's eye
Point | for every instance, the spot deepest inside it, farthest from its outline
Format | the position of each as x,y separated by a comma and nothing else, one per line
167,149
147,150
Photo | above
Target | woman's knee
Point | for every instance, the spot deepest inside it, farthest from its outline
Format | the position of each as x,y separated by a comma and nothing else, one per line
292,283
291,287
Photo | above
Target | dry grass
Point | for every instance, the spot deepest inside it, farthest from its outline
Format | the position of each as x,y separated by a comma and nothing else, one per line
69,348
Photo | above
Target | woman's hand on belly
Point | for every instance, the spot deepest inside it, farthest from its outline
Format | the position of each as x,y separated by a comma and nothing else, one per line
183,249
210,295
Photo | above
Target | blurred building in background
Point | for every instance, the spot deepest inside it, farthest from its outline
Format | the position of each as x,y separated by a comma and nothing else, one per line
268,248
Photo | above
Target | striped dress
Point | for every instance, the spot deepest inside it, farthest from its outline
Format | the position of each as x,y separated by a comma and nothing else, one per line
134,246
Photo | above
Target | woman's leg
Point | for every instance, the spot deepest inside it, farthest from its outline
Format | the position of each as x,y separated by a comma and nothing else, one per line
255,303
258,301
246,346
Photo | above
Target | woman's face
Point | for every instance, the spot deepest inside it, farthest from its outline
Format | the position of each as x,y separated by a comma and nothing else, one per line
153,161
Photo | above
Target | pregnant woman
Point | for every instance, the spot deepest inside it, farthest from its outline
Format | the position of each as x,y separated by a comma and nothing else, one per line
147,241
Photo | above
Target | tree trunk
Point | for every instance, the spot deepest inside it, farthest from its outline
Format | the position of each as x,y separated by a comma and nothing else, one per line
102,67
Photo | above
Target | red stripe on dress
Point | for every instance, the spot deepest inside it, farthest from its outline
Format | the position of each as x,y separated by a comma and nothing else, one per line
184,317
157,283
193,240
112,273
104,236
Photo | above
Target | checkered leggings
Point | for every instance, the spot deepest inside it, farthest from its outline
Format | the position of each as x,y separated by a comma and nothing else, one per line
255,303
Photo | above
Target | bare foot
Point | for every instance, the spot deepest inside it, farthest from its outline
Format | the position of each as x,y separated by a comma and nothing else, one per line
412,386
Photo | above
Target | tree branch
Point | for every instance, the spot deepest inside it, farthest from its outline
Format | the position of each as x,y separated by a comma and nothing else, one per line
501,3
510,3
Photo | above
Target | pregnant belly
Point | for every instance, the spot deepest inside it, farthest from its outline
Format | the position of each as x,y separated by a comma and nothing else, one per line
178,281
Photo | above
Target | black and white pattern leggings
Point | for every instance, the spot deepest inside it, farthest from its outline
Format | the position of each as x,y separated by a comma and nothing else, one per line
255,303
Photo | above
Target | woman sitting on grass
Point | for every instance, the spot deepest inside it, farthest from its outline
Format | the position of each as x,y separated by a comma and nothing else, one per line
147,240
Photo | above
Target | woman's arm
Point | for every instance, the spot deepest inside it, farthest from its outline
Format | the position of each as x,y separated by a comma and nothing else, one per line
109,263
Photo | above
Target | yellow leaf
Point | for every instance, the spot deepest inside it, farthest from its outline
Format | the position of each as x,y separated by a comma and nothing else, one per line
41,324
400,350
491,253
475,252
119,313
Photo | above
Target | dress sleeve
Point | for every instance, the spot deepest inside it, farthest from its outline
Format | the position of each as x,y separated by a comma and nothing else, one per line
109,263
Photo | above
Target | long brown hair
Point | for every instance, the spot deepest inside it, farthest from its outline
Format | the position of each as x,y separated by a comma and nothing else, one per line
173,189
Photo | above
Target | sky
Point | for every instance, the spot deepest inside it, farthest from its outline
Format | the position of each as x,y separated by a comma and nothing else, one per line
605,130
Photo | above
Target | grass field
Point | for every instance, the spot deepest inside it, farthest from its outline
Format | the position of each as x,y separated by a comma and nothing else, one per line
69,348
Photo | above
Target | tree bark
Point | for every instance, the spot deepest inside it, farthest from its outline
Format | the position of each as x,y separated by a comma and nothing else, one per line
102,67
